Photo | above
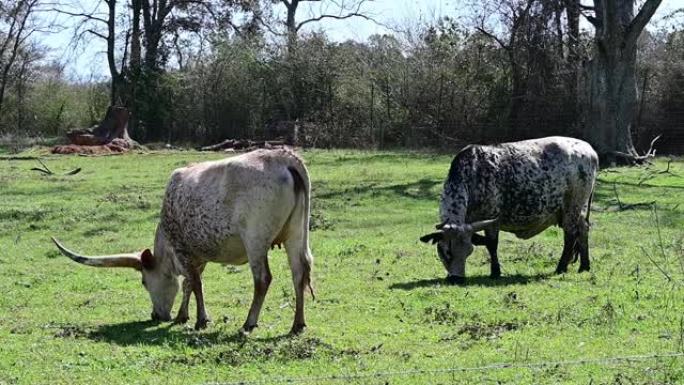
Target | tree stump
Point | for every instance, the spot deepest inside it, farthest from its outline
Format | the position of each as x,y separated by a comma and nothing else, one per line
109,136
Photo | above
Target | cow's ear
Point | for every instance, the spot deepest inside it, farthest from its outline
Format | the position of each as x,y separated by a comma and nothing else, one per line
147,259
434,237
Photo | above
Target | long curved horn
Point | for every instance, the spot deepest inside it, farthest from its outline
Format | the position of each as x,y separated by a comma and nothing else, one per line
117,260
446,232
432,237
481,225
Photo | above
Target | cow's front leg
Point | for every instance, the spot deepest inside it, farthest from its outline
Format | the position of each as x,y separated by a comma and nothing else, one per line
183,313
195,277
262,280
492,243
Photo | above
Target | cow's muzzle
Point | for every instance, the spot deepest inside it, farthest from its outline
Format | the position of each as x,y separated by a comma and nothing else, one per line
160,318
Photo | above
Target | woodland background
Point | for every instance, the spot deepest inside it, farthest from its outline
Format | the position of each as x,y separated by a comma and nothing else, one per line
203,71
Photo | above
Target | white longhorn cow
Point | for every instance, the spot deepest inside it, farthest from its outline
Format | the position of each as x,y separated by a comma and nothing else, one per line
230,211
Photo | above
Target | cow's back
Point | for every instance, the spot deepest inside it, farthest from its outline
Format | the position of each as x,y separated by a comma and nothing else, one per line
525,184
207,204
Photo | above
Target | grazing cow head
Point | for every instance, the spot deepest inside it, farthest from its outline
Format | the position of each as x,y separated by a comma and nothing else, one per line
159,283
454,245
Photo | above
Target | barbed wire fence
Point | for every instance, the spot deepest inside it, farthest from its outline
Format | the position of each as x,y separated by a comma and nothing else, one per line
384,375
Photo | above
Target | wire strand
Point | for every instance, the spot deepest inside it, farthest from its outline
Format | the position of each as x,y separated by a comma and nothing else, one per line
499,366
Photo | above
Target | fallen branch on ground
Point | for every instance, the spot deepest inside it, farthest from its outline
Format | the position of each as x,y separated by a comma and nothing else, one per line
629,206
636,159
243,144
18,157
667,170
45,170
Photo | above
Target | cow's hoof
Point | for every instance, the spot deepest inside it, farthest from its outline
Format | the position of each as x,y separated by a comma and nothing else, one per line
181,319
297,329
582,269
245,330
455,280
495,274
202,324
561,270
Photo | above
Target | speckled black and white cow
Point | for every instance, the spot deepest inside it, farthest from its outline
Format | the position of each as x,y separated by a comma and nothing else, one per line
230,211
519,187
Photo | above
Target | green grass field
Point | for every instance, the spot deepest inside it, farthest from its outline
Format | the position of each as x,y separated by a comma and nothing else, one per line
382,314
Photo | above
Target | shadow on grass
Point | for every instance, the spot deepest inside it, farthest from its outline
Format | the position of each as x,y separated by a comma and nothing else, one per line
636,185
421,189
480,280
233,349
383,157
156,333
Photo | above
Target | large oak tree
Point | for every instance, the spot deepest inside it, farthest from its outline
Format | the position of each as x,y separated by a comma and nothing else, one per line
611,92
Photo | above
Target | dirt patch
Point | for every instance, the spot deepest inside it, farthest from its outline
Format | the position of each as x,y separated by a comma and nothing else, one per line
319,221
282,349
478,331
442,315
68,331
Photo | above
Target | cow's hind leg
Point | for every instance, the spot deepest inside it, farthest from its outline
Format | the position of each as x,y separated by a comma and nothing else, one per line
583,246
262,280
301,278
183,313
569,247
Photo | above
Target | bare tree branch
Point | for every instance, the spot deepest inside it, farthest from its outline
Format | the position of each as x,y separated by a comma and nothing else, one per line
639,23
321,17
494,37
356,12
28,7
98,34
81,14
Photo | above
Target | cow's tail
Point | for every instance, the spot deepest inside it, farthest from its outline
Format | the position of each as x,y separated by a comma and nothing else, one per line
302,187
591,197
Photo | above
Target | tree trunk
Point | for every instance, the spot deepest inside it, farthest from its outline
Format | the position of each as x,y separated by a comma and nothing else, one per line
117,81
612,101
113,126
136,9
110,136
16,39
573,55
154,20
612,97
21,94
518,91
135,62
291,24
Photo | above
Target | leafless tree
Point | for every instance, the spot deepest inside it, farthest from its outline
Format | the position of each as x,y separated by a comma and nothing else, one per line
543,51
16,28
99,21
513,15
